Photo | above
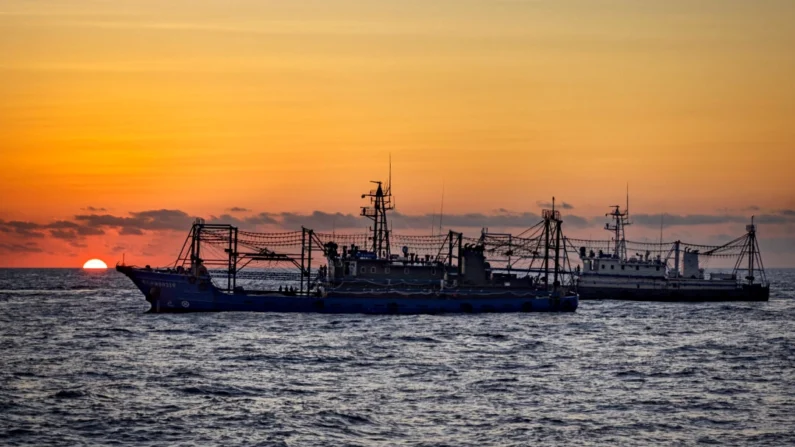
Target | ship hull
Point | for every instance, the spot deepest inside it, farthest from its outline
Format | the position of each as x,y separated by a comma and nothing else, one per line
740,293
177,293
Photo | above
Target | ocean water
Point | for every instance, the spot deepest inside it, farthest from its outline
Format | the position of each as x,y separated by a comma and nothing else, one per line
82,364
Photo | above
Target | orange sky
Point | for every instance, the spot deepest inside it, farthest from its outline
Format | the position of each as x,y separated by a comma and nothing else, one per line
285,106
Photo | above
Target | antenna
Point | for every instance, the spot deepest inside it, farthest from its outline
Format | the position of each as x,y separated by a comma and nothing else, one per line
627,208
441,210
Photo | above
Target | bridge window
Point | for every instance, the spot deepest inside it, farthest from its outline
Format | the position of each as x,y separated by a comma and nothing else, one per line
604,266
386,270
637,267
363,270
433,272
622,267
372,269
612,267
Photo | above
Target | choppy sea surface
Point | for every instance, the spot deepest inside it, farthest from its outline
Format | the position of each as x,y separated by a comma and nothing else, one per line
82,364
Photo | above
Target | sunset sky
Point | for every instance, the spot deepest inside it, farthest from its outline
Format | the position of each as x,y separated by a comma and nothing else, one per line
121,121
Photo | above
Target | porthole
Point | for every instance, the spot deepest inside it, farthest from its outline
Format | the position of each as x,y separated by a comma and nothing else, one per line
372,269
363,270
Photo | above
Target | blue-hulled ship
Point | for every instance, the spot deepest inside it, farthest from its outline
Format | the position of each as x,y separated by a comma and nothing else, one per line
222,268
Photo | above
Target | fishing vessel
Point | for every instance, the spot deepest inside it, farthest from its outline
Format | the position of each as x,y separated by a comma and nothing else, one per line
607,274
446,273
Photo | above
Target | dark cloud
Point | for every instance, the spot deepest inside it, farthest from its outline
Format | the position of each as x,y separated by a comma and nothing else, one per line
653,220
62,225
575,222
322,221
20,248
61,229
22,229
238,209
772,219
138,222
468,220
94,209
67,235
164,219
787,212
558,205
752,208
130,231
226,219
89,231
262,218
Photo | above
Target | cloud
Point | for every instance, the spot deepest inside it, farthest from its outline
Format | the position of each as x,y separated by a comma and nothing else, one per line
22,229
138,222
238,209
28,247
93,209
561,205
261,218
228,220
61,229
322,221
787,212
570,220
66,235
653,220
130,231
467,220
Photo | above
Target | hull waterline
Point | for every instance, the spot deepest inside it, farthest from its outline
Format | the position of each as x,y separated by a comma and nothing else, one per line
743,293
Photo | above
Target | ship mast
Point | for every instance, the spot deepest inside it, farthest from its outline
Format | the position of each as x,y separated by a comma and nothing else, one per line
751,249
621,220
381,201
552,223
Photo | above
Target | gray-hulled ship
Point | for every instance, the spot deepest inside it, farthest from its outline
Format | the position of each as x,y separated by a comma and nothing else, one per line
643,277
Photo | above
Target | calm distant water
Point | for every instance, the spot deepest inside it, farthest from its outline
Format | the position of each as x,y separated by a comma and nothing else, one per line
81,364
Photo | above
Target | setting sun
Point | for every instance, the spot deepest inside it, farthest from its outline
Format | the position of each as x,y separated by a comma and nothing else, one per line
95,264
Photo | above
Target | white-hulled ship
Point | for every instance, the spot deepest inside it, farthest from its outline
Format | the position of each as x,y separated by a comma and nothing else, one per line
642,277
